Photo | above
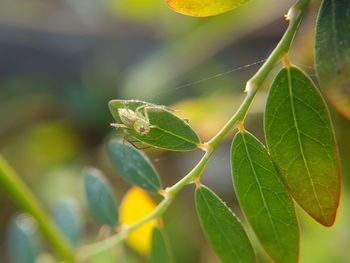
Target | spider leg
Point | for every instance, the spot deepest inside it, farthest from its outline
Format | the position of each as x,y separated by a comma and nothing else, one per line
145,106
137,147
170,109
167,108
143,115
186,120
118,125
124,140
141,148
131,141
146,114
142,107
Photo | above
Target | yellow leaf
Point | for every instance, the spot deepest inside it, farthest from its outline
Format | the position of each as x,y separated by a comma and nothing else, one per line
202,8
136,205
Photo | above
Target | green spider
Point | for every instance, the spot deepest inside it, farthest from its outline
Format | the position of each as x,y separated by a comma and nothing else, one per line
135,120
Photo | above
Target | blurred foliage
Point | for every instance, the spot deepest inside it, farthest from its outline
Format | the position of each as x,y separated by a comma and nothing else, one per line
67,218
22,237
62,61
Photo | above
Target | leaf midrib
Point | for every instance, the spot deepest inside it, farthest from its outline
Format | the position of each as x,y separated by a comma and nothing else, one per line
150,182
148,178
175,135
261,193
219,226
291,96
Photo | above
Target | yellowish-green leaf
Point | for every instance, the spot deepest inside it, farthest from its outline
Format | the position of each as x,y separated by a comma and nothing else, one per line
264,199
300,138
222,229
135,206
332,53
154,125
203,8
133,165
99,197
67,218
160,251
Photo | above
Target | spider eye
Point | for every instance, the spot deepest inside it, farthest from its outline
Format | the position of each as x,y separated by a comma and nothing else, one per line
141,127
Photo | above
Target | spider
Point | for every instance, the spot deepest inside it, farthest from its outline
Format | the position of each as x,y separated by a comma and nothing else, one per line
135,120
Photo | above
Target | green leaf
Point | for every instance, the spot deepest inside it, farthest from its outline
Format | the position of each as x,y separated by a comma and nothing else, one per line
22,241
134,166
159,250
300,138
167,131
332,52
99,197
264,199
222,229
67,218
203,8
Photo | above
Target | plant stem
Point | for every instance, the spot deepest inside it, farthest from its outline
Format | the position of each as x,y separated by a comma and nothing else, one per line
193,174
235,119
294,16
89,251
24,198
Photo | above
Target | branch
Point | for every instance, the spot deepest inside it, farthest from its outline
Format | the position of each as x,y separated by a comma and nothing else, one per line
25,199
294,16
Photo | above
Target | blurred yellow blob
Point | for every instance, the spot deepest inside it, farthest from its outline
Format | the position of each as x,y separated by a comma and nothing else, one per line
207,115
202,8
136,205
134,10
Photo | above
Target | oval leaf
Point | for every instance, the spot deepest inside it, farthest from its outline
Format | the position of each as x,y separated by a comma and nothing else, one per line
264,199
159,251
135,206
67,218
22,241
133,166
203,8
99,197
222,229
300,138
166,130
332,52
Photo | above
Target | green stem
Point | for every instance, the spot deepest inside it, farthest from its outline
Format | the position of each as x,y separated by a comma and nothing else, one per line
89,251
235,119
96,248
24,198
193,174
253,84
295,15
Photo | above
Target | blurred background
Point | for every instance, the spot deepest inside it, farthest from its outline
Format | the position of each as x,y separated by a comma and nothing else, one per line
61,61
